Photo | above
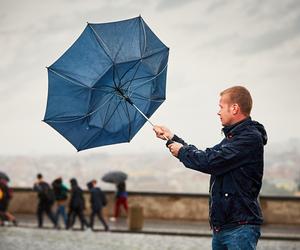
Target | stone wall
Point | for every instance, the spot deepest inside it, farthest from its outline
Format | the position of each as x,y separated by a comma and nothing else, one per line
170,206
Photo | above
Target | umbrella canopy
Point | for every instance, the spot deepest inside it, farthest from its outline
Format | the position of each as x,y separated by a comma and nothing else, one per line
4,176
115,177
107,84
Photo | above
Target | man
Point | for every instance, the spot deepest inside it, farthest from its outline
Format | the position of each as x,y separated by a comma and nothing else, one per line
98,201
76,205
46,199
236,169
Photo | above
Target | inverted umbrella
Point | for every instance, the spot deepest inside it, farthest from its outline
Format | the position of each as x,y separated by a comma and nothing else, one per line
104,88
4,176
115,177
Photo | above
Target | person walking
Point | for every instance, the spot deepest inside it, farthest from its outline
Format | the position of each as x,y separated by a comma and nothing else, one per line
121,200
236,168
45,200
61,196
98,201
76,206
5,197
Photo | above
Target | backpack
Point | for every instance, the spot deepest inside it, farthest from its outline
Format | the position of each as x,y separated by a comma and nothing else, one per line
47,194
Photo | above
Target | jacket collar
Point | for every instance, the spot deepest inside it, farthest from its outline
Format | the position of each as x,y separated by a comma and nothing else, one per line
228,130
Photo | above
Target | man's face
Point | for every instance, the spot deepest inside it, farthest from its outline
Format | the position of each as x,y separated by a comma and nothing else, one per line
225,112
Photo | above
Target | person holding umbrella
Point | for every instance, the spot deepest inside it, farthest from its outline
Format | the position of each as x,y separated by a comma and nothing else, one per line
121,200
98,201
118,178
236,169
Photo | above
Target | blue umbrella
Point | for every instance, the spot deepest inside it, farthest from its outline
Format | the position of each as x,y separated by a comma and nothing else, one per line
104,88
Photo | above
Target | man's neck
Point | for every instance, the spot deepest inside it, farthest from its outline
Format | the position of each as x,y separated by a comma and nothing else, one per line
238,119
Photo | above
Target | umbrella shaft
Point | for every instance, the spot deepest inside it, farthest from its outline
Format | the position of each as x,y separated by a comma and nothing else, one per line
142,114
146,117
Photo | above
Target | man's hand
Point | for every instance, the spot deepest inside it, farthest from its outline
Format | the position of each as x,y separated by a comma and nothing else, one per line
174,148
163,132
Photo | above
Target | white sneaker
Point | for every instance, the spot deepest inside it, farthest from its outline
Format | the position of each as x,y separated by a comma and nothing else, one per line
112,219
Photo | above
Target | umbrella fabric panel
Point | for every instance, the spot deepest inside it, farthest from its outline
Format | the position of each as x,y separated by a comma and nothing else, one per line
150,42
68,100
125,37
82,136
85,61
145,70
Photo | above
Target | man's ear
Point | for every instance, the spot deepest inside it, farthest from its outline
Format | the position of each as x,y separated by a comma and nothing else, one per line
235,108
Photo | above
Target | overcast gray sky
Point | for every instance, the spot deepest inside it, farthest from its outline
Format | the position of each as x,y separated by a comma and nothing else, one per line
213,45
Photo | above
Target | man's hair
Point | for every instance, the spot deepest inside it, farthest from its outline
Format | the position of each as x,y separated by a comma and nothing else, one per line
39,176
241,96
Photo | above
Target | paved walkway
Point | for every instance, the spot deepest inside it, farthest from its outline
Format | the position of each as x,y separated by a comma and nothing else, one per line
21,238
179,228
156,235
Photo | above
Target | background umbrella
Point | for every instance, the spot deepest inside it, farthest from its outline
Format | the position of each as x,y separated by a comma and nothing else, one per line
107,84
115,177
4,176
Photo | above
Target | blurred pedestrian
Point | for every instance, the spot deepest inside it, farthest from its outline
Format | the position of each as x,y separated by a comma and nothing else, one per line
98,201
120,200
61,196
46,200
5,197
76,206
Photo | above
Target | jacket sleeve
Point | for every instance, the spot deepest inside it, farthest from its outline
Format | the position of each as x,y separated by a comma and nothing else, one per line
221,158
179,140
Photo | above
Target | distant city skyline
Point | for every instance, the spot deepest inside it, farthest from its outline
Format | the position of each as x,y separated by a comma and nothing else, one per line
213,45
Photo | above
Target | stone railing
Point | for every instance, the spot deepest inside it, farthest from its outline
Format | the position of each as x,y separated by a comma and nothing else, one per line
172,206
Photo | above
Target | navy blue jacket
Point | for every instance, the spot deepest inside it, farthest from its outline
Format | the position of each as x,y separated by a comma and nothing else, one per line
98,199
236,169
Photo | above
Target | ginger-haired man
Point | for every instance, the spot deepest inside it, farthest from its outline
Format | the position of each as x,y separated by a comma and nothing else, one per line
236,169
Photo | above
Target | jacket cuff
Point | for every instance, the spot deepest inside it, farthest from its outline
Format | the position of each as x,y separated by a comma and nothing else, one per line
182,152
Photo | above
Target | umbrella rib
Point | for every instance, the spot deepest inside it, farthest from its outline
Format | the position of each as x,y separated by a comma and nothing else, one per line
69,79
128,117
128,71
94,137
117,53
88,114
114,69
137,96
143,58
145,37
101,75
143,83
126,111
137,68
101,43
